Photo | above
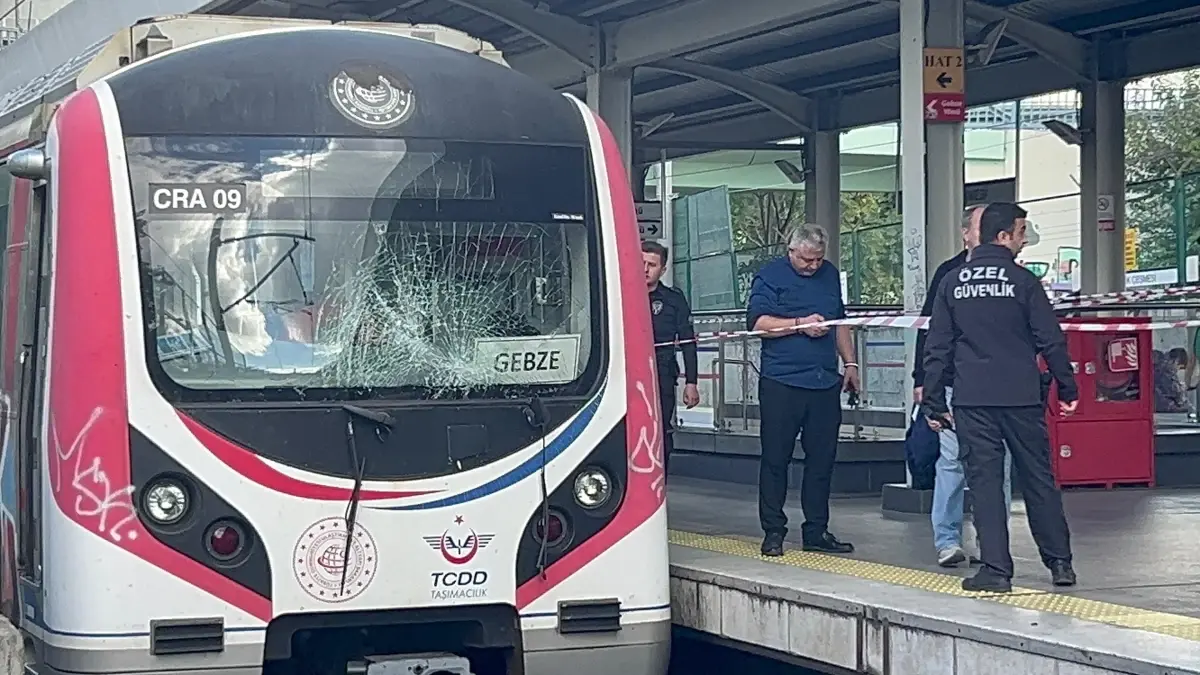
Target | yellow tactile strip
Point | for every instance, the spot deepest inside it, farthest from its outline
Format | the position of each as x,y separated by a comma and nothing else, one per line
1176,625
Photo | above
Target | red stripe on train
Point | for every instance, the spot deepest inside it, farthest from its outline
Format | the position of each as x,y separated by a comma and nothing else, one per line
645,488
253,468
88,401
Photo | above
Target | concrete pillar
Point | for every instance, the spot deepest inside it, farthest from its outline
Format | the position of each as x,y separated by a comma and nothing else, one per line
900,497
823,188
666,191
1102,198
943,151
610,94
912,152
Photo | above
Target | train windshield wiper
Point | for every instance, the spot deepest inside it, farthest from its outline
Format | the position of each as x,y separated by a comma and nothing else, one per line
384,421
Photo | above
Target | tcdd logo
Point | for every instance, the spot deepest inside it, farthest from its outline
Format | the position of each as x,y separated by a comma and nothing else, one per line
459,544
468,584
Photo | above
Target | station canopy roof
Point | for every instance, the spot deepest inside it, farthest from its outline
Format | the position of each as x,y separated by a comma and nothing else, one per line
725,70
711,73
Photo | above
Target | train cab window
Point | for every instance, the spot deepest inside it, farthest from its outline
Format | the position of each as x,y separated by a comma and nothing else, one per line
277,268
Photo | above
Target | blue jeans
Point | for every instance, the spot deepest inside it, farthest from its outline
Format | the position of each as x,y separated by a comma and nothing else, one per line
948,483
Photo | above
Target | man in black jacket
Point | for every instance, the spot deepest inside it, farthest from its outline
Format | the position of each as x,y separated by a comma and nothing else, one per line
946,512
992,319
670,320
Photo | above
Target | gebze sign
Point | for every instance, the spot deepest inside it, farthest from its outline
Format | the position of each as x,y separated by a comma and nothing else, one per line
543,359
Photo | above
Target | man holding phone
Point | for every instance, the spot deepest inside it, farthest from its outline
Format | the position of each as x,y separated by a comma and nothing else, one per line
800,385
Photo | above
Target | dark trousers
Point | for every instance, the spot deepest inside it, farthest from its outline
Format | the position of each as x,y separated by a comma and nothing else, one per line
666,402
982,434
815,415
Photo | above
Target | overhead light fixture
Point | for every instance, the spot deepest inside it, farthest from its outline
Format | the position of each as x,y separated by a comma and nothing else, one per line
1065,132
654,124
983,47
790,170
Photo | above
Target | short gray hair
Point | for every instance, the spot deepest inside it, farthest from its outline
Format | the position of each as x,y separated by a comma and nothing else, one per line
813,235
968,212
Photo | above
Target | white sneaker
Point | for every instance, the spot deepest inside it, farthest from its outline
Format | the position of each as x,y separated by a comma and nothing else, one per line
952,556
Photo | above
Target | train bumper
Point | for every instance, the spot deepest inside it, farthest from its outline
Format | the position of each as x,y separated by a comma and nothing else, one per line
638,649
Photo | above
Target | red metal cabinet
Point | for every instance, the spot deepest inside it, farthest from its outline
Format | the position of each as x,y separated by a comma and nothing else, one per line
1109,440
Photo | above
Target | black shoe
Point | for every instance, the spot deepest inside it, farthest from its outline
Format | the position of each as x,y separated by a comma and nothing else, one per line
827,543
985,581
773,544
1061,573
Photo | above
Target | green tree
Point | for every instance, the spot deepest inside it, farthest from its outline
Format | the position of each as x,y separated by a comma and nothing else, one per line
871,248
870,230
1162,143
760,221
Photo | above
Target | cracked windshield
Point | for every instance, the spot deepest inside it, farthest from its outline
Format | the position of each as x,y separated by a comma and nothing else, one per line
430,269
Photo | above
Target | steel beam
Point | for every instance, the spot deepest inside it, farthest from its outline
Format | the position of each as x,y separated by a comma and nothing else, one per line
1162,51
562,35
995,83
787,104
815,47
1058,47
679,30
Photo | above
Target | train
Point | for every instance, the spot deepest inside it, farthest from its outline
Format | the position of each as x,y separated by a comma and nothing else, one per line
324,349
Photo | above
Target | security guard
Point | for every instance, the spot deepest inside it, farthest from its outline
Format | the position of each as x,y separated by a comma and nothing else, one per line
671,320
991,319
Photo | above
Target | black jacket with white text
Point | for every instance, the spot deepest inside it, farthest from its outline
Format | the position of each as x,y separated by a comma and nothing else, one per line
991,319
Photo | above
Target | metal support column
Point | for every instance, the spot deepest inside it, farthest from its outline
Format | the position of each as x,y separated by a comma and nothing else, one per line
610,94
823,188
944,150
900,497
912,150
666,195
1102,198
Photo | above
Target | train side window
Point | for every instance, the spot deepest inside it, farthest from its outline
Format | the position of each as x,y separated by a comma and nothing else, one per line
32,302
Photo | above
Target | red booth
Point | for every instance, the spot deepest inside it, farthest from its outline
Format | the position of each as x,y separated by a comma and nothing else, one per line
1109,440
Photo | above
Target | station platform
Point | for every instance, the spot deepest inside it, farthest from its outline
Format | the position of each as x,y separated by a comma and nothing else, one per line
890,609
871,456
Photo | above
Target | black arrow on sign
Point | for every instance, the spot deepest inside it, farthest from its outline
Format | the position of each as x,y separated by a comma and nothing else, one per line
944,80
649,228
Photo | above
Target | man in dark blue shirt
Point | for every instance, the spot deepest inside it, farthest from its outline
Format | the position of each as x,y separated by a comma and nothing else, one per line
798,385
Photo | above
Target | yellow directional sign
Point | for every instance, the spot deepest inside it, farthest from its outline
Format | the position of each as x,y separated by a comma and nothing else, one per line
1130,249
944,70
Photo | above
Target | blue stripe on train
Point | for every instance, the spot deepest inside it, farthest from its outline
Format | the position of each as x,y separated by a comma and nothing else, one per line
527,468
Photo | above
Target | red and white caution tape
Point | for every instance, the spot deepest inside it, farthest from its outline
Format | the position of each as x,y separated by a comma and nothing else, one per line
922,322
1126,296
851,313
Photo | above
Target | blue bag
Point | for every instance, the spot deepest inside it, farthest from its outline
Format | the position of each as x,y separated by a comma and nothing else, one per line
921,451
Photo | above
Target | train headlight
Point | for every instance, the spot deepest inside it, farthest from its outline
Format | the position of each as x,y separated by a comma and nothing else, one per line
593,487
166,501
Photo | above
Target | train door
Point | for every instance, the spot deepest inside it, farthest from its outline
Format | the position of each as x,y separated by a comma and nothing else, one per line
8,471
22,366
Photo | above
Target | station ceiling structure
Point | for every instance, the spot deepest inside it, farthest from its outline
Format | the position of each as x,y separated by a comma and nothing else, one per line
712,73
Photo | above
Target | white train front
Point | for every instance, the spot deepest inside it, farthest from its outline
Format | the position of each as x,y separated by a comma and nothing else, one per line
266,290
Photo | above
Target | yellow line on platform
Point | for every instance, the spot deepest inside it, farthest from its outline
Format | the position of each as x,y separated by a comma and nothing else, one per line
1176,625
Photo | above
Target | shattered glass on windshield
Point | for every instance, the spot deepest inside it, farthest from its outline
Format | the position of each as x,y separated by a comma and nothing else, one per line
356,266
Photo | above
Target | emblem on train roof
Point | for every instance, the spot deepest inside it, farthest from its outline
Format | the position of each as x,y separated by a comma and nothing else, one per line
320,554
372,98
459,544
